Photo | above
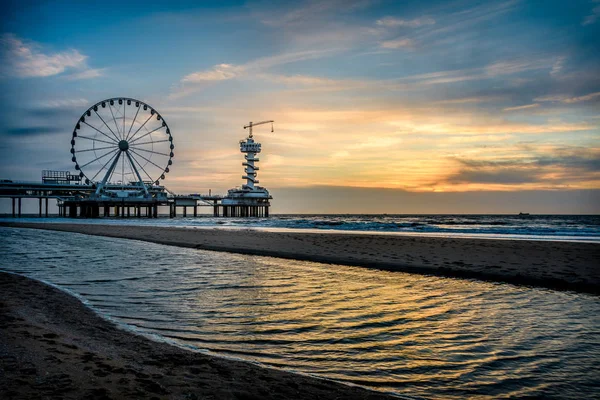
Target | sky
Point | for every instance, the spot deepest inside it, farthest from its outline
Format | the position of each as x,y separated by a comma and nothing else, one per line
467,106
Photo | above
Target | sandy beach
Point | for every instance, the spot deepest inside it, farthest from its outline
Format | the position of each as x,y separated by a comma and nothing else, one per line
556,265
46,352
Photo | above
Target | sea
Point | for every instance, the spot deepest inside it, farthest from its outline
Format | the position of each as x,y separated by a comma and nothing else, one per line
410,335
580,228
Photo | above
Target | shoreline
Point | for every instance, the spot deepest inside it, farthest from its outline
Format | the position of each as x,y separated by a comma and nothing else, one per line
33,219
553,265
45,352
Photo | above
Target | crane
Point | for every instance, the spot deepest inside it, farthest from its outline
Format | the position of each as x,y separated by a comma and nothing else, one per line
251,124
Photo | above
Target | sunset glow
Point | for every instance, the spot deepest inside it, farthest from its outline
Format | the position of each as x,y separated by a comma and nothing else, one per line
425,97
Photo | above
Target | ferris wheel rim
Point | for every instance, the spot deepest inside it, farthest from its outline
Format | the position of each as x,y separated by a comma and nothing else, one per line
124,144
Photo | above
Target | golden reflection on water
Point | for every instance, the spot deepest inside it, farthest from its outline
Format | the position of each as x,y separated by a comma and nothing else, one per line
384,326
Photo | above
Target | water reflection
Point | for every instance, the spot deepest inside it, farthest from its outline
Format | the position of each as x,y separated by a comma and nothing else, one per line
430,336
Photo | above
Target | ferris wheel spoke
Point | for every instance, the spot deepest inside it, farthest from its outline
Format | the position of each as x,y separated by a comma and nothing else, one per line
132,168
99,131
122,173
138,129
155,141
96,159
105,124
97,140
114,119
132,122
124,105
135,172
139,165
112,168
99,148
150,151
104,166
154,130
151,162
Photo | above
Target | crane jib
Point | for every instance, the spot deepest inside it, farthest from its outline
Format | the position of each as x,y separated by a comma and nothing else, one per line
251,124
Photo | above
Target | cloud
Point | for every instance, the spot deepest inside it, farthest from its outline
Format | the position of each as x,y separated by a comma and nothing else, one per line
489,71
551,98
300,79
504,176
582,98
340,154
557,166
220,72
86,74
63,103
557,67
517,66
593,17
193,82
31,131
525,107
392,22
308,11
469,100
586,159
58,109
568,100
397,44
451,26
26,59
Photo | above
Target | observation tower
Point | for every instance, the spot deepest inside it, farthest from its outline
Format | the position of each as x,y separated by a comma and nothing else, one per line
251,148
250,200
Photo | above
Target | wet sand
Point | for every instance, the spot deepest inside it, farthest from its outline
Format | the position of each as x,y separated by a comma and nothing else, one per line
52,346
555,265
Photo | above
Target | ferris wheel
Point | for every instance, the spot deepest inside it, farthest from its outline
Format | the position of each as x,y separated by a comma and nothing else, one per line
124,142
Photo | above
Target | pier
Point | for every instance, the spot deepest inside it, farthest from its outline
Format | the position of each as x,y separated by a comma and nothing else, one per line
120,167
75,201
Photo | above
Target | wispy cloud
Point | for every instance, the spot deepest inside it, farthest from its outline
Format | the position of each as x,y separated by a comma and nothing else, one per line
525,107
520,65
86,74
397,44
193,82
56,103
392,22
448,24
558,66
469,100
579,99
568,99
306,11
593,17
220,72
26,59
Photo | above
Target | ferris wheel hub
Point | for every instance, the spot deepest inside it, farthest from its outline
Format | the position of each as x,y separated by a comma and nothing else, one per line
123,145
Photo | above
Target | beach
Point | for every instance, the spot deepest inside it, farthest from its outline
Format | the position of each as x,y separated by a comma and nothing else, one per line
46,352
556,265
53,346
